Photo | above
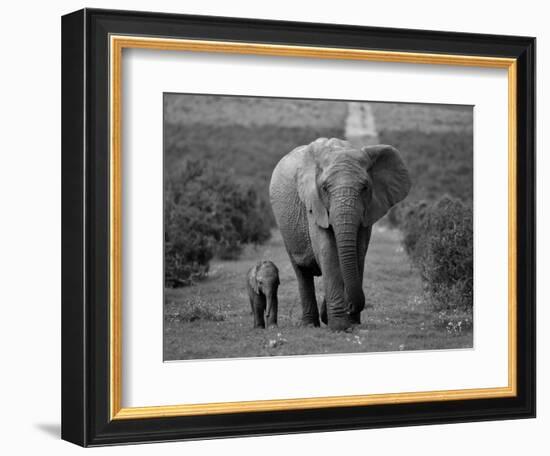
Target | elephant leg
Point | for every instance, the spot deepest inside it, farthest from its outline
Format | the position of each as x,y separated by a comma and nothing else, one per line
324,314
251,300
258,310
306,287
272,319
362,247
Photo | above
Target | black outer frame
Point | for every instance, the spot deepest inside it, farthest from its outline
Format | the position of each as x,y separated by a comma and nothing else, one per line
85,227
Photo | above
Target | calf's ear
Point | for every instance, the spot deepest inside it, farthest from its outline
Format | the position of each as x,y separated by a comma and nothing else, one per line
253,280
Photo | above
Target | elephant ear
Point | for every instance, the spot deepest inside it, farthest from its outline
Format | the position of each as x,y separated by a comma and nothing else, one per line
390,180
254,279
308,192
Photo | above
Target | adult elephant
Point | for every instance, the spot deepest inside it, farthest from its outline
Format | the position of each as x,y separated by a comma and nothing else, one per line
326,196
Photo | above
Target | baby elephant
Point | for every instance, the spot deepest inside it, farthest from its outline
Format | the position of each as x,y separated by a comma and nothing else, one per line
262,283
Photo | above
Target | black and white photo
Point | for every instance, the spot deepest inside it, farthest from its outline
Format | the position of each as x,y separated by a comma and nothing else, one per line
308,226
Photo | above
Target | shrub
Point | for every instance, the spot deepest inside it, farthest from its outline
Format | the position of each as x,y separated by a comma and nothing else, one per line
195,309
207,212
411,218
397,214
250,152
439,240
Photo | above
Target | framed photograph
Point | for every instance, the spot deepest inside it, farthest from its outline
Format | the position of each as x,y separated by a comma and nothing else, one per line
278,227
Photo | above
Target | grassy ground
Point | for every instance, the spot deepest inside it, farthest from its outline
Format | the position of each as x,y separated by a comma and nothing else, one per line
428,118
246,134
252,111
212,319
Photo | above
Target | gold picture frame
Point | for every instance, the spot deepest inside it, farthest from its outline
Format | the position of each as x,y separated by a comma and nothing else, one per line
117,45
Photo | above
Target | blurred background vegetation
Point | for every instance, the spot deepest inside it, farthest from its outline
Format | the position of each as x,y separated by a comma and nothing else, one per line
219,154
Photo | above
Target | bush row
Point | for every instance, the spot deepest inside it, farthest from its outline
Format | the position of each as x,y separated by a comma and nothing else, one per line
251,153
206,213
438,237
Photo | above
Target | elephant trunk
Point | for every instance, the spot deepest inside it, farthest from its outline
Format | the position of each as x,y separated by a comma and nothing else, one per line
346,220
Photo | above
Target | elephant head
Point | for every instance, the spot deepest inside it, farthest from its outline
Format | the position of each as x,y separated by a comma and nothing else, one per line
343,189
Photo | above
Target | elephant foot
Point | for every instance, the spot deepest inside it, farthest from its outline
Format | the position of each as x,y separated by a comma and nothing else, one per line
355,318
324,314
342,323
272,324
310,322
